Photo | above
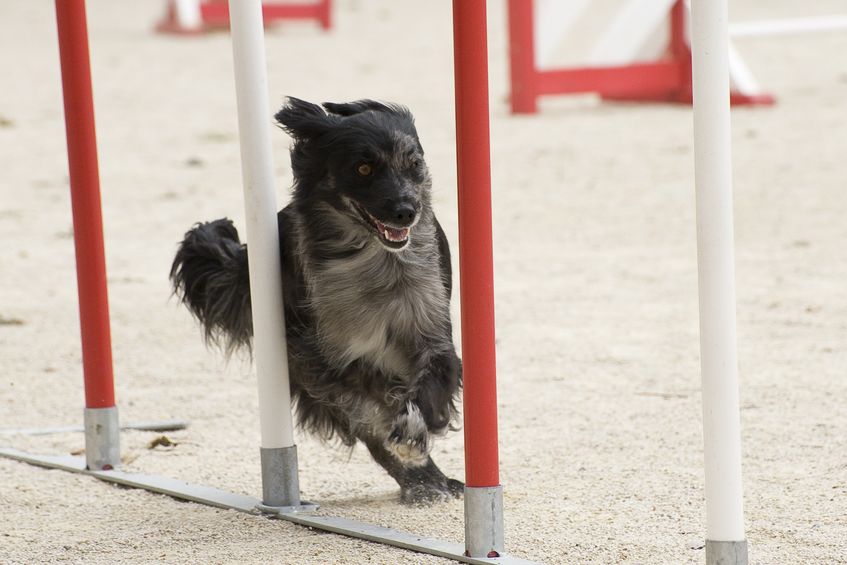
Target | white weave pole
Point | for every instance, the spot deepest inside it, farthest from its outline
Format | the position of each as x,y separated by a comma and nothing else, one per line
725,540
279,462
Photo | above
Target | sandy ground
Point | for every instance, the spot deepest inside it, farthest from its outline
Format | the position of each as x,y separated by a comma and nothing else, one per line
596,298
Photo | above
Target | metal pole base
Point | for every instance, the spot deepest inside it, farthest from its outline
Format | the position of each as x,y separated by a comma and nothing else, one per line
280,482
484,521
102,439
726,552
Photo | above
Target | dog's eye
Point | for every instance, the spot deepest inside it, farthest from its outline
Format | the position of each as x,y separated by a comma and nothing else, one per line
365,169
414,163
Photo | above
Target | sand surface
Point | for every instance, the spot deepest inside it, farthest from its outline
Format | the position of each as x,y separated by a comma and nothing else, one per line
599,400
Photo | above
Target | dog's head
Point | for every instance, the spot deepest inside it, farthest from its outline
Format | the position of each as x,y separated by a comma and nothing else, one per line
365,159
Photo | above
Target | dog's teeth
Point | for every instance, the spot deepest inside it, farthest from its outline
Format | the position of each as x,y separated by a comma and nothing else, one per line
386,233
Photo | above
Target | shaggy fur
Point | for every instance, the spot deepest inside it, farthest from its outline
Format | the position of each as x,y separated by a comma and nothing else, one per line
367,284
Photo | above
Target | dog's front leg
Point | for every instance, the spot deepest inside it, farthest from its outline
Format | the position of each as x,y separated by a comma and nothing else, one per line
429,407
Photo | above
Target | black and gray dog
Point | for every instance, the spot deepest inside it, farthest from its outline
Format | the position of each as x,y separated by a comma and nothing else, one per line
367,283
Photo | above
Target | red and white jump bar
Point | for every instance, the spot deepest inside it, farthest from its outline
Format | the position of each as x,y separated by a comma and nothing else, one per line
197,16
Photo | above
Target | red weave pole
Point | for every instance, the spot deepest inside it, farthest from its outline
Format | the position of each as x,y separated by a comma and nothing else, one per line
85,201
476,265
522,72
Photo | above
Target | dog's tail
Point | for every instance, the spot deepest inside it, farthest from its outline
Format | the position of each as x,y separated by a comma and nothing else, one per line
210,276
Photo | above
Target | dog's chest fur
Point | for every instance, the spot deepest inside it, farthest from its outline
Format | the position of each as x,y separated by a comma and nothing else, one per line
377,306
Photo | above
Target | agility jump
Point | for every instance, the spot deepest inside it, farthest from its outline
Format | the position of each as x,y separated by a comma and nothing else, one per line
623,64
191,17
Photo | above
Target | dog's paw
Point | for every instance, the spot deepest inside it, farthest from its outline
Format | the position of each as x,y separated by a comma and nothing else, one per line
456,488
427,491
425,494
409,438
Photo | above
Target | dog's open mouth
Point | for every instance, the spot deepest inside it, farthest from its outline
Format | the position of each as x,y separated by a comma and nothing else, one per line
391,237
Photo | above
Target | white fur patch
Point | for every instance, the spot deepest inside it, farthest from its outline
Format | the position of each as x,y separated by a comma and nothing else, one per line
412,449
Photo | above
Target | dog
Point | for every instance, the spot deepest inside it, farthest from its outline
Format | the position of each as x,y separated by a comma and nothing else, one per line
367,284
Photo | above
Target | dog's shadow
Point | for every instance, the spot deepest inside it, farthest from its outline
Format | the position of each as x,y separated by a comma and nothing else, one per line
363,501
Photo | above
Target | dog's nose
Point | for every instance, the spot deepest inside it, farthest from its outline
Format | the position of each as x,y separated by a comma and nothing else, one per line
404,213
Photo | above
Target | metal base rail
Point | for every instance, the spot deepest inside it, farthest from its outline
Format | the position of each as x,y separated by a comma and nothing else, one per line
301,514
162,426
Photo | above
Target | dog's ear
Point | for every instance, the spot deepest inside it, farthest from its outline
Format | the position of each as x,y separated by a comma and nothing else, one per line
303,120
357,107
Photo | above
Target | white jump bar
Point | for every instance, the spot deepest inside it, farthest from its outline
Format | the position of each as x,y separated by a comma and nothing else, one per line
788,26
